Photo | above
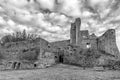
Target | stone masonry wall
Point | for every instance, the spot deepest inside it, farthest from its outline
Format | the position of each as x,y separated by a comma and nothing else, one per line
107,43
73,34
78,24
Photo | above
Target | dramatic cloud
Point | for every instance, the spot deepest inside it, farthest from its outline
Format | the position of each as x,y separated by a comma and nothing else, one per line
51,18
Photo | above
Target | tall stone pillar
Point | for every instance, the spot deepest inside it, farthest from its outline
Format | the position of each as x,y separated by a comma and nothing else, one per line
77,24
73,34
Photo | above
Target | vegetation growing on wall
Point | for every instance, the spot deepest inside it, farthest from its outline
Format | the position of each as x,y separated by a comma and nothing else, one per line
21,45
88,57
18,36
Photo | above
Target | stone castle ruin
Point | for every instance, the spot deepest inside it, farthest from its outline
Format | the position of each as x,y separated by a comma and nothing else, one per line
106,42
40,53
81,38
81,41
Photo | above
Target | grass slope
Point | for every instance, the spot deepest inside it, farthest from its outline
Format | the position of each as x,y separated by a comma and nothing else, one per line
60,72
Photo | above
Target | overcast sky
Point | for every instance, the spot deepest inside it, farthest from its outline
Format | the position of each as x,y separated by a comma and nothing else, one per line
51,18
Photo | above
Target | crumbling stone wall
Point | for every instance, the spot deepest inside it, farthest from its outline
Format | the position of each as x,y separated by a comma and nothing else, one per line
103,44
84,34
70,55
89,43
75,32
61,44
107,43
45,59
26,54
78,24
81,38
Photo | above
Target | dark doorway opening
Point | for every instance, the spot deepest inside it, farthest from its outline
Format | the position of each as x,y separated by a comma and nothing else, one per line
18,66
14,65
61,59
35,65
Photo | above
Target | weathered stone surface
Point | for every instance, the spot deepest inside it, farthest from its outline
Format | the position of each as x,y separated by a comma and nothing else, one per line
25,53
43,63
89,43
93,36
73,34
81,37
46,59
27,65
84,34
61,44
103,60
107,43
77,24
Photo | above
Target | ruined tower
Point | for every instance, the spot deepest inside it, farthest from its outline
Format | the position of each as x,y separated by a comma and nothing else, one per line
77,24
75,32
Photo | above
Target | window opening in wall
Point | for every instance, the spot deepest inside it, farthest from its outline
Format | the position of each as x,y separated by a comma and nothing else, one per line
48,46
88,45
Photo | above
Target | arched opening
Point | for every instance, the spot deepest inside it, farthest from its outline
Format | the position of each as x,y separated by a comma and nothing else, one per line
14,65
18,66
35,65
61,59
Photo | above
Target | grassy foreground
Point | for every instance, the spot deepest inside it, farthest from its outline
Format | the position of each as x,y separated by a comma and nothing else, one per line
60,72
